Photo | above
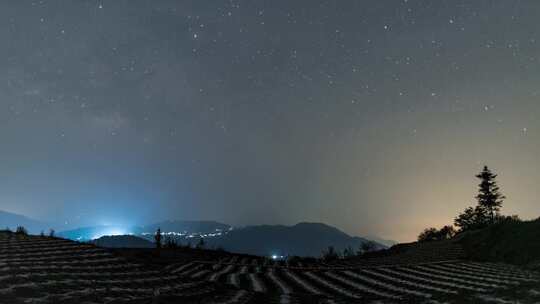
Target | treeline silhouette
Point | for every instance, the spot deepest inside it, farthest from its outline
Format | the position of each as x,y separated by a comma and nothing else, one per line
331,254
22,231
486,212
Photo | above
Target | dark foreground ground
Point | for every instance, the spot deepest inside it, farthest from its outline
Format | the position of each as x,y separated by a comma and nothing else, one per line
37,269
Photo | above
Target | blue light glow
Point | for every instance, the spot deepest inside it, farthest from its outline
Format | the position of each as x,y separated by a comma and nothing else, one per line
109,231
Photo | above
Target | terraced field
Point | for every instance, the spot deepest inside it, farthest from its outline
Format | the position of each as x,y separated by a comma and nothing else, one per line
398,278
403,282
49,270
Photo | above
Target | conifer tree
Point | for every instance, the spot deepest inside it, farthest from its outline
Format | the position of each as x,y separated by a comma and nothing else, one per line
489,197
489,200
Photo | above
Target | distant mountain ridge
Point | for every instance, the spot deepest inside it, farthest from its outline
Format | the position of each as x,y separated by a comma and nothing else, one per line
302,239
186,226
93,232
176,228
13,220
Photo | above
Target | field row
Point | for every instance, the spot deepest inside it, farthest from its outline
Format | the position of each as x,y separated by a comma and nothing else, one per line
50,270
396,282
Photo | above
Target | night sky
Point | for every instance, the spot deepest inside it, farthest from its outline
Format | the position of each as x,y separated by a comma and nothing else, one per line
372,116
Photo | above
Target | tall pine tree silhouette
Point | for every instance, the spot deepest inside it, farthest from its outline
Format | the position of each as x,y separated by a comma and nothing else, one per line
489,197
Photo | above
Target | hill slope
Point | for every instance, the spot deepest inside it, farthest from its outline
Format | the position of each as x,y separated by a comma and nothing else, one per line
123,241
51,270
303,239
510,242
12,220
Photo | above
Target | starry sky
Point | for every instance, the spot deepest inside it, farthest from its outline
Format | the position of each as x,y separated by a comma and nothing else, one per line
372,116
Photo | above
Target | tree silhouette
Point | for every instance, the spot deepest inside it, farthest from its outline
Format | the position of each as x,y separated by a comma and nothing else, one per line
368,246
447,232
428,235
471,218
170,242
200,244
21,231
432,234
489,204
157,238
330,254
348,252
489,198
466,220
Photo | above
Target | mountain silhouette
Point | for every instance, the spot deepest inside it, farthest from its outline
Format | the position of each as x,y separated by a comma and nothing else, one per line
303,239
12,220
122,241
